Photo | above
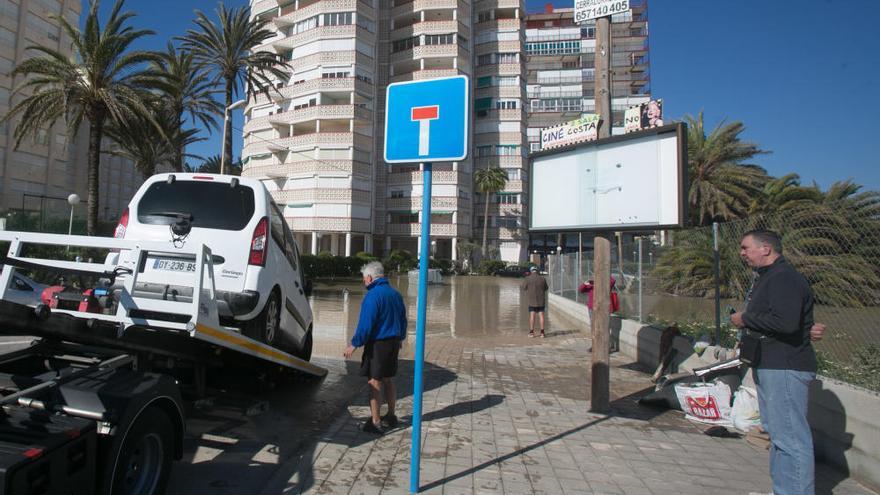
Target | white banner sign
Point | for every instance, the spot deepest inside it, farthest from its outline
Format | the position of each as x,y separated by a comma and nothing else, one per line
643,116
584,10
585,128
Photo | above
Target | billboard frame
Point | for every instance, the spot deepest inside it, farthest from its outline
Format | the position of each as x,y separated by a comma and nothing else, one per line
679,128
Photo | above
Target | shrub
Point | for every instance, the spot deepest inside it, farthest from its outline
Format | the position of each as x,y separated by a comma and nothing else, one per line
445,266
490,267
400,261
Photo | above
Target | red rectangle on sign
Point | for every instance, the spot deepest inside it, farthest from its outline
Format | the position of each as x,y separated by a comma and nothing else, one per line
423,113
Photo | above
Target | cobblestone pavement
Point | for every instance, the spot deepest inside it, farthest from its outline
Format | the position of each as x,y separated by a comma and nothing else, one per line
512,417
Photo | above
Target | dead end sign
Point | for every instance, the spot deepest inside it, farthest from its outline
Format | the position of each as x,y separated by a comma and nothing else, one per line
427,120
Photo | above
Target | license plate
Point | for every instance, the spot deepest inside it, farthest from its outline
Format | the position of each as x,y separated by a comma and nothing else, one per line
174,265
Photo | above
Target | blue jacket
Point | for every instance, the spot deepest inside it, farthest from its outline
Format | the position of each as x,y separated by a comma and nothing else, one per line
383,315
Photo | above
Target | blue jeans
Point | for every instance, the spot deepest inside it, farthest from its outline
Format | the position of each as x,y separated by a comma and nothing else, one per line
782,398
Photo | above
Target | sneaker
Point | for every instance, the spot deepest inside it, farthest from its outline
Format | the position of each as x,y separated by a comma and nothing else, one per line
531,334
542,334
370,427
389,420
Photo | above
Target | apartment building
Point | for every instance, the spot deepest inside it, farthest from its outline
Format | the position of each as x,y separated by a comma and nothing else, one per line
316,141
45,169
41,169
562,67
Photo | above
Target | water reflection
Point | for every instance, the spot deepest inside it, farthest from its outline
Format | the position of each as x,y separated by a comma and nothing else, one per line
460,307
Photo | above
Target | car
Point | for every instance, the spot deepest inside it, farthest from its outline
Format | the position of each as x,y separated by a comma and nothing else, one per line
23,290
257,273
513,271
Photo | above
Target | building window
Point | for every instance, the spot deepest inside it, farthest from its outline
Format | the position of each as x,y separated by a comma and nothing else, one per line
402,45
338,19
485,16
507,199
367,24
404,218
507,222
506,105
312,102
336,75
439,39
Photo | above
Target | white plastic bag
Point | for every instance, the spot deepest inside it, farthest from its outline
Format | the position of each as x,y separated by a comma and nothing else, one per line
705,402
745,414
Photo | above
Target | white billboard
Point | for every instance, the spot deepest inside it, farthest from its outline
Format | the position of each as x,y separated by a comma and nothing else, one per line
584,10
634,181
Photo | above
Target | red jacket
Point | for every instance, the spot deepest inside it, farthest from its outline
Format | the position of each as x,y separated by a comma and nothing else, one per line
588,289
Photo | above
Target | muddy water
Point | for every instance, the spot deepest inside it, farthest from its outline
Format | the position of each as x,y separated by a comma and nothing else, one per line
460,307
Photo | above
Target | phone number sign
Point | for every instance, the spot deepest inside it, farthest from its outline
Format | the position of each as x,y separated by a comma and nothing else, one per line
584,10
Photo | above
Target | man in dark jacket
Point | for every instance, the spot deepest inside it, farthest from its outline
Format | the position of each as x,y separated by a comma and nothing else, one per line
381,327
536,294
779,311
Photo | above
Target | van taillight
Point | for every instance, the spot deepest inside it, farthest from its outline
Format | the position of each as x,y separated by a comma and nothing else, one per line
123,224
260,243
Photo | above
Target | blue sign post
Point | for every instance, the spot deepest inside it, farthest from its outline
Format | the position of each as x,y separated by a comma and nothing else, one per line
425,121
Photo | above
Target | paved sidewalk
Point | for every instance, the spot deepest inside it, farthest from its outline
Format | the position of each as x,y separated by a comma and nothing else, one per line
512,417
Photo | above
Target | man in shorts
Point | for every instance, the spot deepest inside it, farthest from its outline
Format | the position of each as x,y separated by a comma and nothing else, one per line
536,295
381,327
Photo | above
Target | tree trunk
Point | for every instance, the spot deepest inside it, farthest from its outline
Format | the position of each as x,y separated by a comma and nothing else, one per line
486,223
227,128
96,131
179,149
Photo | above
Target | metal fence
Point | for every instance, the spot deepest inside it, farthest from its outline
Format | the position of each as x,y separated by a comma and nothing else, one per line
836,246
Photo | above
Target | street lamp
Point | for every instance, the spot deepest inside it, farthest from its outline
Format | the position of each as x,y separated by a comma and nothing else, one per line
434,249
235,105
73,199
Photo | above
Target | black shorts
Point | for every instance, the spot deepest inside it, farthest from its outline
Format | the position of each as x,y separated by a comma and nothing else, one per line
536,309
380,358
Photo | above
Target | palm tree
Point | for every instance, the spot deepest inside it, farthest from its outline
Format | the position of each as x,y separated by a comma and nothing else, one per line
100,83
722,185
488,181
211,165
185,90
148,146
229,49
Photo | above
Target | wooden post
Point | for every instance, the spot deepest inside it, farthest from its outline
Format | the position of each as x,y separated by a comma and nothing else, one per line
601,374
603,75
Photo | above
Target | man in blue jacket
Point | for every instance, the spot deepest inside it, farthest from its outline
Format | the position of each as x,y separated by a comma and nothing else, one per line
381,327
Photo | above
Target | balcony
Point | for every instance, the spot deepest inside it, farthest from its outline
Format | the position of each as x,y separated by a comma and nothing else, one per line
425,74
319,33
289,18
498,47
308,141
331,58
419,5
321,112
327,224
437,177
512,69
263,6
437,229
430,51
499,4
438,203
430,27
499,25
308,168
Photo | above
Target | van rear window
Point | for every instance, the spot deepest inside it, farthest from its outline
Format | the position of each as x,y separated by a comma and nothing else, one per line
213,205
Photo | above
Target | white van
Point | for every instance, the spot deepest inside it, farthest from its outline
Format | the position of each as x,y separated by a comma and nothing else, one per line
257,273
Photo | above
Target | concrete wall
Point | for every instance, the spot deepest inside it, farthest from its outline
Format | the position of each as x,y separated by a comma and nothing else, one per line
844,418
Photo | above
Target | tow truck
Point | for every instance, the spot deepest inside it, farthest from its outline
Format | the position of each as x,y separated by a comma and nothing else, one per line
95,404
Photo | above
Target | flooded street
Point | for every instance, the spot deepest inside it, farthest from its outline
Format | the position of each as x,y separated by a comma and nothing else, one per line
236,442
460,307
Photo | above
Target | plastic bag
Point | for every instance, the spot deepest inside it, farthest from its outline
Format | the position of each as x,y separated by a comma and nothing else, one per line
745,413
705,402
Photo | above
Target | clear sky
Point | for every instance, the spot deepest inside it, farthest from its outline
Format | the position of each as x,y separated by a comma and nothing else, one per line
802,76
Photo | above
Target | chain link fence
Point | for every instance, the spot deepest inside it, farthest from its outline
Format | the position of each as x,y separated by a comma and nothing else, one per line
836,246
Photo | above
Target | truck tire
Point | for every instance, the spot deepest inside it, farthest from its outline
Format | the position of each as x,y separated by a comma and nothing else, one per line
141,460
267,324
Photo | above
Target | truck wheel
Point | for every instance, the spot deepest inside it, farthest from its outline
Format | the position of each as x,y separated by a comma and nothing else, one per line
306,351
142,461
266,325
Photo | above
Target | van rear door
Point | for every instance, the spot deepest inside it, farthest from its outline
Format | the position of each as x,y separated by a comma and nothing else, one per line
221,217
